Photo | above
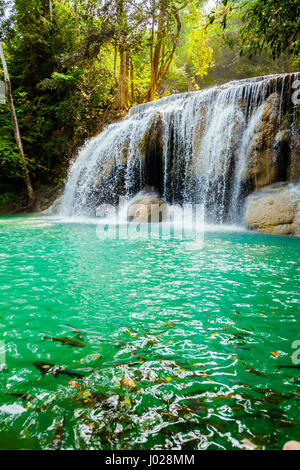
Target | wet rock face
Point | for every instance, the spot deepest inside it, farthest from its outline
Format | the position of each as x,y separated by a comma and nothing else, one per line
274,148
275,209
146,207
152,152
293,171
262,157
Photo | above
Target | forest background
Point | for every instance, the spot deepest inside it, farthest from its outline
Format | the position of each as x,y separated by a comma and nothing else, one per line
76,66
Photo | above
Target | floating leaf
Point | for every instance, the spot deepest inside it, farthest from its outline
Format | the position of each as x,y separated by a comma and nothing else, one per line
95,356
170,325
127,400
168,379
275,353
73,383
127,382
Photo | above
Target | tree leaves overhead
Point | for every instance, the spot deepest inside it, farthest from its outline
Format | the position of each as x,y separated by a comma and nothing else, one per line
265,24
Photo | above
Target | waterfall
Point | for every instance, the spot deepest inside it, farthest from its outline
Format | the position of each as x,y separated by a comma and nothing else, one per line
193,148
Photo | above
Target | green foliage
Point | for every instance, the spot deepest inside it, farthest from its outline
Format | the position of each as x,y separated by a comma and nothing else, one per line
59,94
10,166
230,64
272,23
265,25
7,198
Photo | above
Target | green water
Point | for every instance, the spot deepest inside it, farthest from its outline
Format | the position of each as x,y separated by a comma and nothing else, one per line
179,320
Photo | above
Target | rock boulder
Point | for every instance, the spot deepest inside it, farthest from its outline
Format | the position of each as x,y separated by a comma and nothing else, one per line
274,209
146,207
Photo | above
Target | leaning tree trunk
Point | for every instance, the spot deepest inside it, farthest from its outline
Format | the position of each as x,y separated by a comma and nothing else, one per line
14,120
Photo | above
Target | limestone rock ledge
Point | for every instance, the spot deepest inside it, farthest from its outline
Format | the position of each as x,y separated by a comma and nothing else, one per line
275,209
147,206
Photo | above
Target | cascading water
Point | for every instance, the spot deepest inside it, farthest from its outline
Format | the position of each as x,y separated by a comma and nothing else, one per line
193,148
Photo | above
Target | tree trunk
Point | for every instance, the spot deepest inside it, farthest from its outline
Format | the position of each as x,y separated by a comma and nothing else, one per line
14,120
123,82
132,82
51,10
156,55
122,100
161,61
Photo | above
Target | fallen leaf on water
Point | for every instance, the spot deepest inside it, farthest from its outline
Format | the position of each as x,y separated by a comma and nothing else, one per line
126,382
73,383
46,366
214,334
170,324
127,400
87,394
95,356
168,379
234,358
275,353
263,314
180,371
225,327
